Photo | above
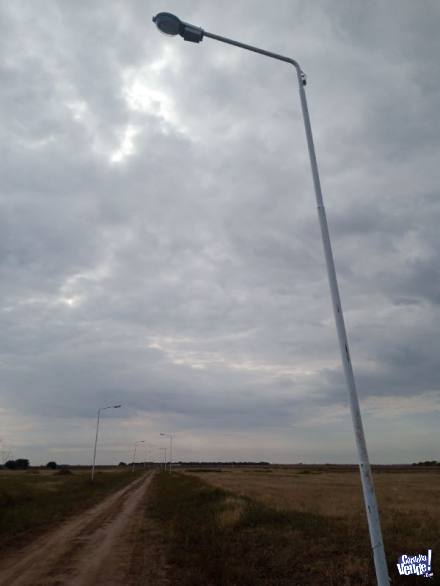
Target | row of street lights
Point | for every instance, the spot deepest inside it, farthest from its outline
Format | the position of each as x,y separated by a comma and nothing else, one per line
163,450
170,24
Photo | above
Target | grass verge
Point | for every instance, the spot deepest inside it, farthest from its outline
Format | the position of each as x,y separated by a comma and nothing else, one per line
30,502
217,538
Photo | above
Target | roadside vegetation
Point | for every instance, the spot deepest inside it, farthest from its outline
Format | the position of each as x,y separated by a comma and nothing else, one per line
32,500
219,537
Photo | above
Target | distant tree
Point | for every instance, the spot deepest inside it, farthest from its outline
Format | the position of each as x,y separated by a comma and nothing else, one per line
22,463
51,465
122,464
19,464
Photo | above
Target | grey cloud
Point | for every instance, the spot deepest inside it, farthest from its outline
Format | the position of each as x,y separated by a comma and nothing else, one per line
189,276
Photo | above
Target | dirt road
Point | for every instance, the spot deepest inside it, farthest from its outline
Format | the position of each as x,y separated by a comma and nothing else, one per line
111,544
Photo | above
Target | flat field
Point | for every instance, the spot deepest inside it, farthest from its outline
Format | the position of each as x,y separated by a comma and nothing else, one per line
230,526
33,500
295,525
401,491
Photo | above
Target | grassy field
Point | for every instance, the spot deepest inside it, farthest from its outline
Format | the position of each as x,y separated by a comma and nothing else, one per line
292,526
335,493
32,500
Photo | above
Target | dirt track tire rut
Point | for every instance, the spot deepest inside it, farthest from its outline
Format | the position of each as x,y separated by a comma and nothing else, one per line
94,548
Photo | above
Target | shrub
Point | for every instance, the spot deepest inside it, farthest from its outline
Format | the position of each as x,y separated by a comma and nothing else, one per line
20,464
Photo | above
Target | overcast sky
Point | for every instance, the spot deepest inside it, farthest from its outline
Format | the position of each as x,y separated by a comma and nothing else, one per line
159,241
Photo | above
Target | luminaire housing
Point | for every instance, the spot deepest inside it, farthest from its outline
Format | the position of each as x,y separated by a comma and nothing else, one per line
169,24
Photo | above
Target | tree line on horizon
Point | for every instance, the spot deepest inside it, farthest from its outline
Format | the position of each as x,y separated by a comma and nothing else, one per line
24,464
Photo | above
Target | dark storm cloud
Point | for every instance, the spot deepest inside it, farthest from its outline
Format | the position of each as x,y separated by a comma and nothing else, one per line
159,244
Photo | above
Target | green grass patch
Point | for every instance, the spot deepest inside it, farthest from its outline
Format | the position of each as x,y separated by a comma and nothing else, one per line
215,537
30,502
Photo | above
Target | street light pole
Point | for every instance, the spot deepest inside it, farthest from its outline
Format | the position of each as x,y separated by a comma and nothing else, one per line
134,452
171,25
96,436
170,435
149,449
164,457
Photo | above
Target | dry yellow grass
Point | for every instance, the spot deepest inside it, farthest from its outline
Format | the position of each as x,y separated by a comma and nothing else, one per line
332,493
231,513
409,502
295,525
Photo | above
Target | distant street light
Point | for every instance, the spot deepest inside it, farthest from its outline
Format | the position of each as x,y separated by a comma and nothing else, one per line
134,453
170,435
164,457
96,437
171,25
149,449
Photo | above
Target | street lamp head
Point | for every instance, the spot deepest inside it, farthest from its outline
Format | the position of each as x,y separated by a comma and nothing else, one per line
169,24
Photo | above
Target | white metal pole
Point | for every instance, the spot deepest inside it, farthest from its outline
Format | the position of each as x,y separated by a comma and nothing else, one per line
96,441
96,437
171,450
134,456
364,464
170,435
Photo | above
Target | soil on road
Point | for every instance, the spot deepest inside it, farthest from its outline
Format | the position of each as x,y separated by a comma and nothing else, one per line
110,544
